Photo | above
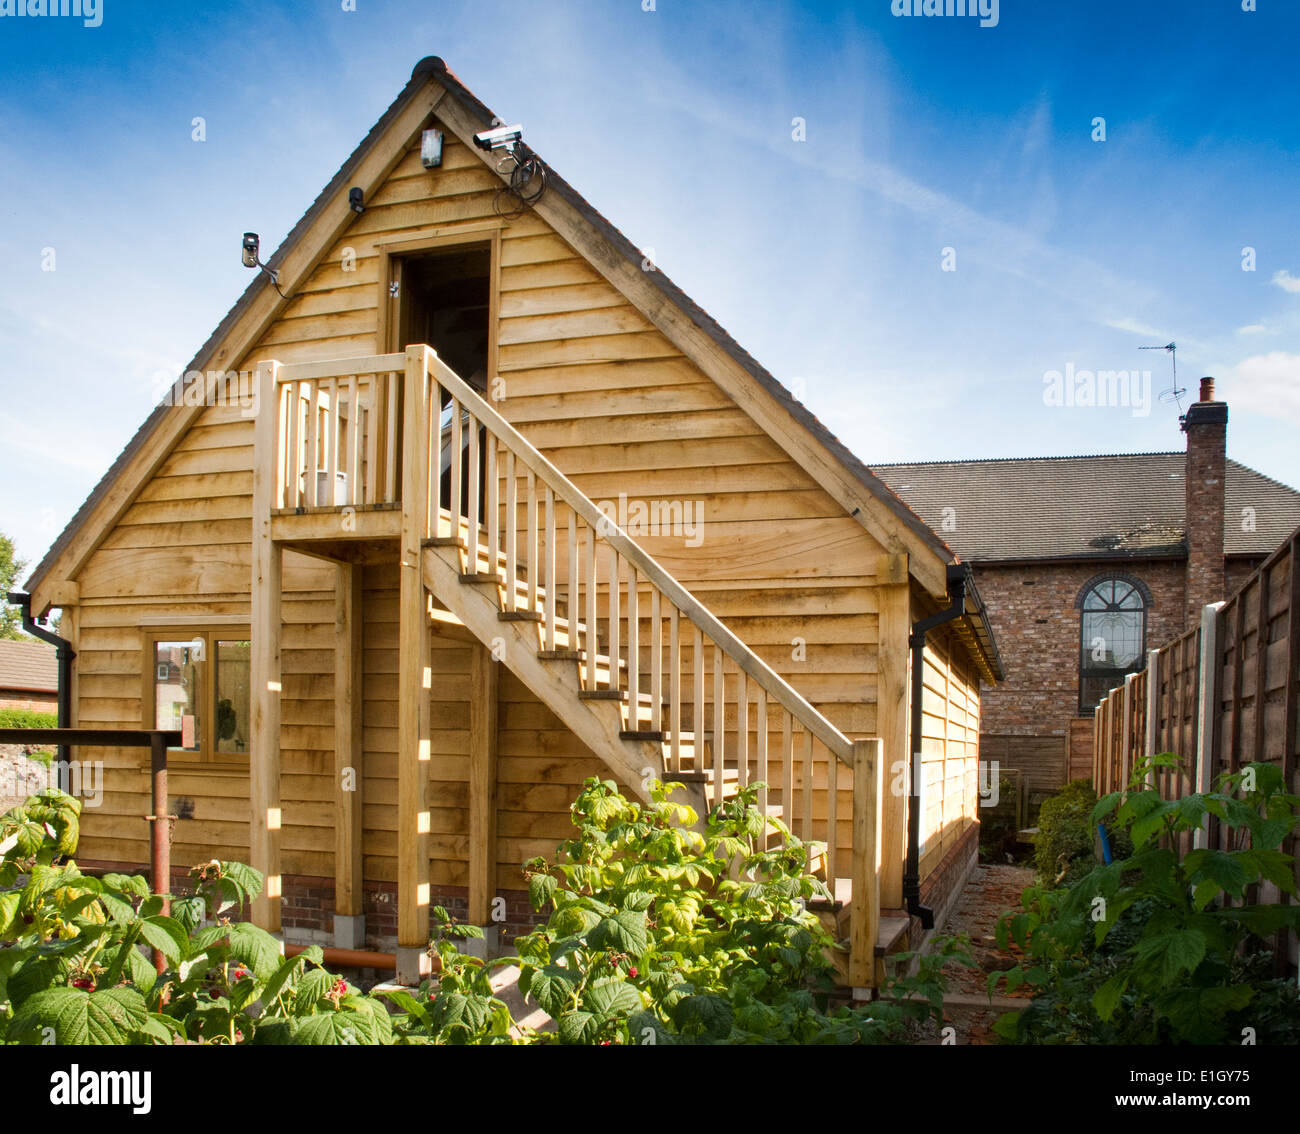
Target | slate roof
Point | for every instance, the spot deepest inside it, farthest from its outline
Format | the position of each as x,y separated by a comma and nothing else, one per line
1113,506
29,666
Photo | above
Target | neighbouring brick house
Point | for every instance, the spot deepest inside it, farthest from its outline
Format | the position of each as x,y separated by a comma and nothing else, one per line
29,676
1085,563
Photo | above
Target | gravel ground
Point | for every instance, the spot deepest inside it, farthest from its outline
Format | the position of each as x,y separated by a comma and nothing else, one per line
17,770
991,891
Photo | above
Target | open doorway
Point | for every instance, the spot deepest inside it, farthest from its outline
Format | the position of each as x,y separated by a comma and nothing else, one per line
444,300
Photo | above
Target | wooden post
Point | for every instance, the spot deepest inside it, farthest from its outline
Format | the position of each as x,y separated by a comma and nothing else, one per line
349,929
892,722
1207,714
1153,710
864,914
484,674
414,678
1125,752
264,709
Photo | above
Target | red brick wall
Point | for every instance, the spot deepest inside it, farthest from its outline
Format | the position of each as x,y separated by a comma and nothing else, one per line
1036,623
308,911
24,699
1206,440
1237,572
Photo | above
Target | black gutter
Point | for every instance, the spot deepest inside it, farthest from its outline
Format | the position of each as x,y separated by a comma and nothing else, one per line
64,654
958,575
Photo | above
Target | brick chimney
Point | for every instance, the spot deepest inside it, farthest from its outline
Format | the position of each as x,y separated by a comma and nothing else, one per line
1206,426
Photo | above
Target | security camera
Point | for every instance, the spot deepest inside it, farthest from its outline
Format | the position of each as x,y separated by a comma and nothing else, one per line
498,138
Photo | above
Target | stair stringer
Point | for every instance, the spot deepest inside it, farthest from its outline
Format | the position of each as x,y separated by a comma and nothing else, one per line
555,682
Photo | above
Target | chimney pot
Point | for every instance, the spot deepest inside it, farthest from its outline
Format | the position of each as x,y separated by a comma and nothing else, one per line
1207,389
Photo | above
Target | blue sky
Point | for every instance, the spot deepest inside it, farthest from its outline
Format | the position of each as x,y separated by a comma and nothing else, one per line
823,257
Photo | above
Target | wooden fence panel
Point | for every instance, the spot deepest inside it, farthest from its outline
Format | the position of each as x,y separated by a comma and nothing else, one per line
1254,705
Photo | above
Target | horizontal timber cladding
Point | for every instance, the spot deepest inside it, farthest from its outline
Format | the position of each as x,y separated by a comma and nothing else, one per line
636,425
211,801
950,725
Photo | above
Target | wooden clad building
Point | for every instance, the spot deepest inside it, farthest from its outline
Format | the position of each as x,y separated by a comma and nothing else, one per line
475,504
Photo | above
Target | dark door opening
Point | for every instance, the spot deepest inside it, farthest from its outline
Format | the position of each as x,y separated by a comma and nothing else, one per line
445,301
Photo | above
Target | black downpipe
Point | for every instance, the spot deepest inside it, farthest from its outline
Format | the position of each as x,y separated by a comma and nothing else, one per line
64,653
957,575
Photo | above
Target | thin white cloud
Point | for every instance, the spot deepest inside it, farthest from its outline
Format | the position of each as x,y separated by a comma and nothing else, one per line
1268,384
1286,281
84,455
1136,327
1252,329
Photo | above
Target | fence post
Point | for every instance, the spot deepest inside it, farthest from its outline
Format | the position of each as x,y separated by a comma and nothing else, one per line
1207,712
1153,709
1126,751
864,914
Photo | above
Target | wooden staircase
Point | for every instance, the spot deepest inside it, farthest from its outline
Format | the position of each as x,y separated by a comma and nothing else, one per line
640,670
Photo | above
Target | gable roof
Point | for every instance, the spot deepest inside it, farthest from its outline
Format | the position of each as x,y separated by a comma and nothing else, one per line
860,491
30,666
1112,506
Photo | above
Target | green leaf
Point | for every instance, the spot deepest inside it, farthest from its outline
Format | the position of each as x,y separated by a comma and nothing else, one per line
243,880
578,1028
624,932
1008,1025
1106,999
1176,951
9,902
282,976
1274,865
106,1016
347,1028
166,935
552,988
704,1013
121,911
610,997
255,948
540,889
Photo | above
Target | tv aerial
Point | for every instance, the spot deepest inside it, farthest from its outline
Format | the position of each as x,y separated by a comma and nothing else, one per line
1174,393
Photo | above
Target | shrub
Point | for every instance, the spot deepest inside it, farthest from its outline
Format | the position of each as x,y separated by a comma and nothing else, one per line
1064,846
657,933
1158,946
661,934
72,970
27,718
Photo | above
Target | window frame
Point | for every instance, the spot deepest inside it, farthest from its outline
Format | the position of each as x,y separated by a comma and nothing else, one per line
211,632
1117,674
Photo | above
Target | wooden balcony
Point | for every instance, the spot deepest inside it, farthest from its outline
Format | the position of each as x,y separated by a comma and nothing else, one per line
336,451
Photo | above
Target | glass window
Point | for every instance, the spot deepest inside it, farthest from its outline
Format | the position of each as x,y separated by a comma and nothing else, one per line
178,690
1112,636
232,696
201,684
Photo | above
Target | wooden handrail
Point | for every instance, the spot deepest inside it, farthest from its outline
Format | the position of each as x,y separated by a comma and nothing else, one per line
645,564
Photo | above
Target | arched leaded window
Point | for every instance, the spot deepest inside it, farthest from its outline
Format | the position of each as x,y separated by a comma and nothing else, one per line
1112,634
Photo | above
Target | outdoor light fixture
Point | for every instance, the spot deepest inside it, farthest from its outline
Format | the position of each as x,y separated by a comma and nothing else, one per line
250,259
355,201
431,149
